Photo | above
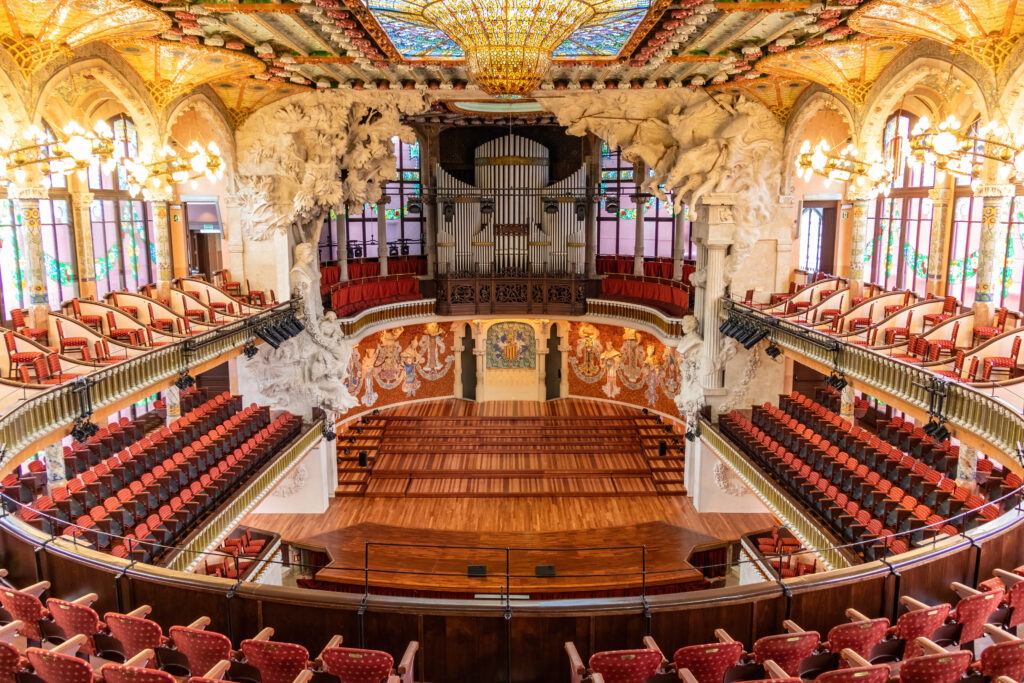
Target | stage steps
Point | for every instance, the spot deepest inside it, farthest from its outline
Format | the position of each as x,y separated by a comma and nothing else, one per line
487,456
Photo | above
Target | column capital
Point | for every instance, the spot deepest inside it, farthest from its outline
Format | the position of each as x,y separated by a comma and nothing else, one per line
162,197
940,194
994,190
33,192
858,196
82,200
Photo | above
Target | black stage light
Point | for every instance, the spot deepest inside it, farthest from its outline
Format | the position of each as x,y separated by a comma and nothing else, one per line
264,334
414,205
758,336
773,350
930,428
185,380
250,349
580,208
487,206
941,434
611,205
328,433
726,324
364,458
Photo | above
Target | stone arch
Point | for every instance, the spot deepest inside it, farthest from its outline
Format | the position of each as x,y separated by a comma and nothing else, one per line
921,72
1012,93
117,93
13,112
811,103
208,109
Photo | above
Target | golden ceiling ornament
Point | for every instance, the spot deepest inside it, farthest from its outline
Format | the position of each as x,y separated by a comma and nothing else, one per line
170,69
509,44
987,30
848,67
243,96
777,93
35,32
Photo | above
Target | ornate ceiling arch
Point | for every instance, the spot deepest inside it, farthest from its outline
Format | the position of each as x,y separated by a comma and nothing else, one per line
206,107
812,102
13,114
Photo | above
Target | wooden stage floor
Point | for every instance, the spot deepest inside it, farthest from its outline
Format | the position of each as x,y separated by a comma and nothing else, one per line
667,525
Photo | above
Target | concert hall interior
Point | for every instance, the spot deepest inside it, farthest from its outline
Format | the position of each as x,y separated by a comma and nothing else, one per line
532,341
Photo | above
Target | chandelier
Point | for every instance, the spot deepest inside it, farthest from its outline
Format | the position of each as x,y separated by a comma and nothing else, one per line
953,150
72,150
872,177
509,44
154,177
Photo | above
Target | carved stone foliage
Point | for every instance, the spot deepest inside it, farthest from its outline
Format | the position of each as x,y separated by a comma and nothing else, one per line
694,145
324,150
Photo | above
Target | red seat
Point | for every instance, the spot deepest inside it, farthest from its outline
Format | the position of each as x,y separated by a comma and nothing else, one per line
119,673
353,665
20,326
26,608
859,636
938,668
134,633
203,649
860,674
1003,659
10,662
708,663
1005,362
921,622
277,662
973,611
986,332
17,358
76,619
55,667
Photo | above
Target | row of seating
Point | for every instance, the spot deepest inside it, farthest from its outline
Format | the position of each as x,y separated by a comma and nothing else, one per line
924,646
354,296
130,648
150,494
672,298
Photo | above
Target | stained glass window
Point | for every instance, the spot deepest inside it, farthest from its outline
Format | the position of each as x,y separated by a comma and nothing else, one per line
13,263
404,230
1012,269
58,255
616,232
811,224
965,247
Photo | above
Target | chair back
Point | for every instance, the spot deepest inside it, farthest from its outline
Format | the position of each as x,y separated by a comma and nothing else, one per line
134,633
277,662
358,666
56,667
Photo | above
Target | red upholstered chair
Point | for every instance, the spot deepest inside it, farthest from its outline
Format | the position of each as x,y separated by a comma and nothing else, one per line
21,326
859,636
133,311
946,667
895,333
360,666
134,631
919,622
1004,658
56,374
786,649
892,308
949,306
277,662
860,674
122,673
1006,363
123,334
76,618
948,345
71,343
165,324
708,663
232,287
10,662
60,665
24,606
87,319
998,326
17,358
102,348
203,649
973,610
256,297
862,322
626,666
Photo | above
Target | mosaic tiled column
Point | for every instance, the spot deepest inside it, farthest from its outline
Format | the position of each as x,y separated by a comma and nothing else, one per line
942,205
382,236
995,213
172,401
858,242
56,473
81,202
967,466
162,226
847,402
30,240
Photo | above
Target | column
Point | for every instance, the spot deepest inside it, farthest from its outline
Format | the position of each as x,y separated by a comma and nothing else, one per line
847,403
967,466
382,235
678,246
162,227
56,474
995,214
942,214
429,136
172,401
457,348
342,233
30,240
593,162
639,200
714,287
858,241
81,202
235,263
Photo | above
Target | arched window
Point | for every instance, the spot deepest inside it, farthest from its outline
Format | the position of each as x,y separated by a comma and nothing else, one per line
404,231
902,221
123,231
58,247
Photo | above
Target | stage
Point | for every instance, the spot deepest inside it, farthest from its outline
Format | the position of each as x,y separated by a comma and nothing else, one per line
598,545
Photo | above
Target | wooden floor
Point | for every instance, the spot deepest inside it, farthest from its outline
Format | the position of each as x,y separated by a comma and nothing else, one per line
667,524
510,448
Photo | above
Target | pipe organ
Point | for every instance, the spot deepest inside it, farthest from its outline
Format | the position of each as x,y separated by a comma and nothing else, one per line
511,221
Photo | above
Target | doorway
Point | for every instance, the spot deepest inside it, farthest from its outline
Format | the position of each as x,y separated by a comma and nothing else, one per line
553,367
468,365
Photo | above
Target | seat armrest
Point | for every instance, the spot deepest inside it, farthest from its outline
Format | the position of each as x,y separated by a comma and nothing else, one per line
999,635
218,670
71,645
265,634
335,641
141,659
913,603
86,599
306,674
200,623
963,591
774,670
723,636
408,662
853,659
575,661
8,632
929,647
1008,578
37,589
141,612
792,626
687,677
651,644
854,615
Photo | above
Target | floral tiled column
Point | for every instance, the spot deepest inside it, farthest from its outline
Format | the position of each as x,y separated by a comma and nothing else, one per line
81,204
942,209
30,239
162,227
995,214
858,241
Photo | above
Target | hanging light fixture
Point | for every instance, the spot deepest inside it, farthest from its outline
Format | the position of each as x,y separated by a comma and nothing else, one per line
72,150
509,44
873,177
155,176
951,149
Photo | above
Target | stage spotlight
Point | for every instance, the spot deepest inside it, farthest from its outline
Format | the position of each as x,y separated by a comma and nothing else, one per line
487,206
448,211
83,429
757,337
550,205
580,208
611,205
250,349
414,206
328,433
941,434
837,381
693,434
726,325
264,334
773,351
185,380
